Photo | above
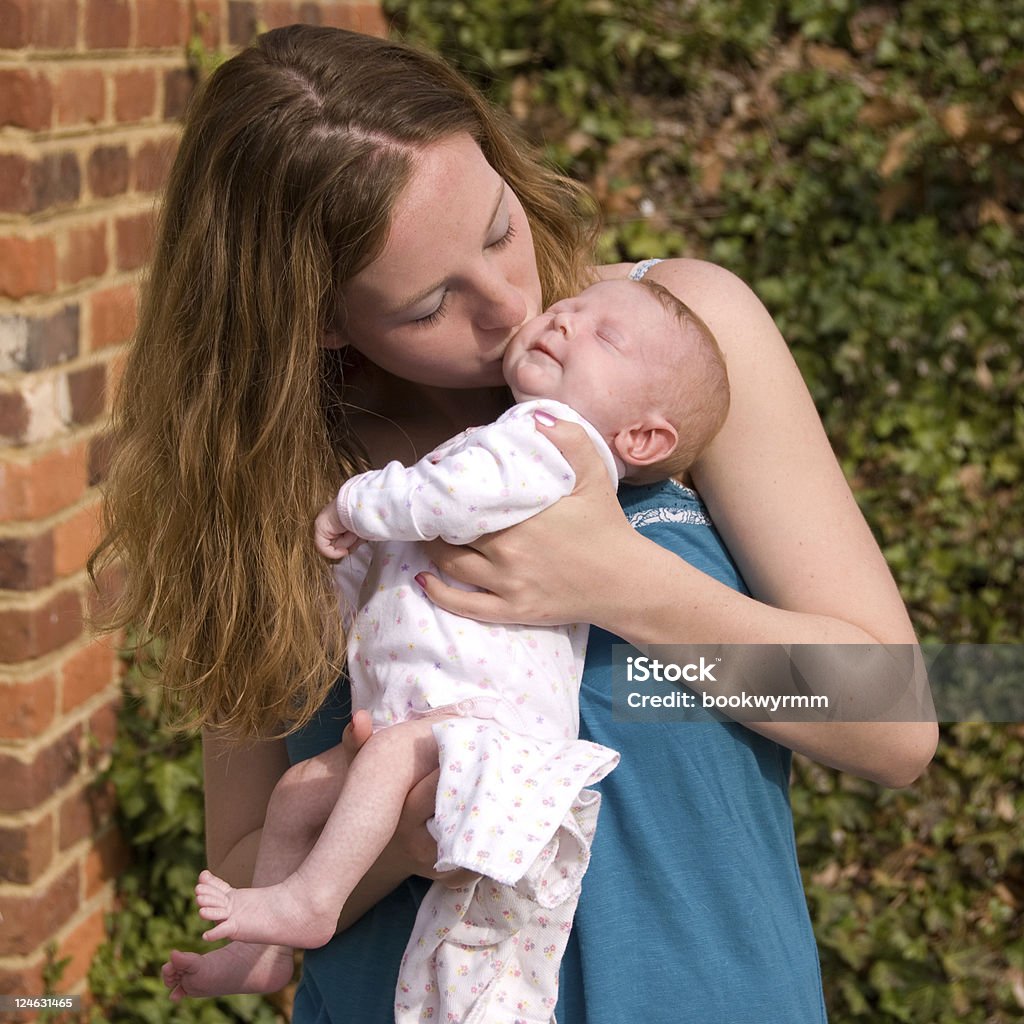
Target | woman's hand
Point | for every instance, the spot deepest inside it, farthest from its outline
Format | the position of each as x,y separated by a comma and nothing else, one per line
555,567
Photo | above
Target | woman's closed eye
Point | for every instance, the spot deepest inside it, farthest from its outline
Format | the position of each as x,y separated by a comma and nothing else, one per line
510,233
432,318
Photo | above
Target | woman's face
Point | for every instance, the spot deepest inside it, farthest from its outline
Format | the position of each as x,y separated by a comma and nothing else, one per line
456,277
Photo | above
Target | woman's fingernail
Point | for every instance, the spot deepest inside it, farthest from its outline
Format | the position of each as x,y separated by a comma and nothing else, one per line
545,419
421,579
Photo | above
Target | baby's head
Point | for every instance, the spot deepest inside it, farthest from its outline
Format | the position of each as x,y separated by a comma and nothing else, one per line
637,363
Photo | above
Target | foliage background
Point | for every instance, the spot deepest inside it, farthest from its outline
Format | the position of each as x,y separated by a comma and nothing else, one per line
861,166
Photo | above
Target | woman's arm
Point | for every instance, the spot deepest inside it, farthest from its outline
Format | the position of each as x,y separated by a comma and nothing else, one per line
777,495
237,782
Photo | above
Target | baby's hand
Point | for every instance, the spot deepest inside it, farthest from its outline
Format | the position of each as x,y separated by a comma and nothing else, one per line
331,538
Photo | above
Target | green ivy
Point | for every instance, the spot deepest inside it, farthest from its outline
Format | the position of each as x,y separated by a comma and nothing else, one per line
157,776
862,167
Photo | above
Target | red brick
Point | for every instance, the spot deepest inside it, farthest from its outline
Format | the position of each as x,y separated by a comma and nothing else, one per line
27,978
45,485
15,34
26,850
87,672
206,22
134,240
87,389
51,340
108,171
81,96
14,417
108,857
153,162
74,538
161,23
135,94
103,729
366,18
79,948
26,99
26,563
17,186
57,180
27,709
29,186
108,24
101,449
243,21
28,266
86,812
277,13
28,783
113,316
55,24
178,86
31,919
32,632
46,24
85,253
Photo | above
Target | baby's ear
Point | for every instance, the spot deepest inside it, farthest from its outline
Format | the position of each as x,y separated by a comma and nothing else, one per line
644,444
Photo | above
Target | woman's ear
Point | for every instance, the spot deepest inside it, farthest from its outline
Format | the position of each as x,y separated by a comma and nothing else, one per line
644,444
332,338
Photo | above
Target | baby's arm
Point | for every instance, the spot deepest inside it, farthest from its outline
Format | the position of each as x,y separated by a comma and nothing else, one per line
497,476
332,540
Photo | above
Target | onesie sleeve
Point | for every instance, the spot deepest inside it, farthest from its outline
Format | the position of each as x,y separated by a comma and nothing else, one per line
492,478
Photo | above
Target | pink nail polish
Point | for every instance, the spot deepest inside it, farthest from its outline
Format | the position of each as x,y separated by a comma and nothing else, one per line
420,578
544,418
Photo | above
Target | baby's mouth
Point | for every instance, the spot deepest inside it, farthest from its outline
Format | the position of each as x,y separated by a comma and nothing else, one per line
539,346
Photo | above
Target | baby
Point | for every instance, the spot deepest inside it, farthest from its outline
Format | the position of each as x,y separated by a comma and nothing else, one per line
495,705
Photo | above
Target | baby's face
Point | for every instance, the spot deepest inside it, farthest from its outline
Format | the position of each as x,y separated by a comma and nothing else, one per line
597,352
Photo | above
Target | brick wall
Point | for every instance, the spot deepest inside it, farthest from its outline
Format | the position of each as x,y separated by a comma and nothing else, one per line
90,93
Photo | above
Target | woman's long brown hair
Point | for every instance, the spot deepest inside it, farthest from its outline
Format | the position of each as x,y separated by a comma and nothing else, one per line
230,422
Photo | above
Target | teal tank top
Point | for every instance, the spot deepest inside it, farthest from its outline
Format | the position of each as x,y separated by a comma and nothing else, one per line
692,909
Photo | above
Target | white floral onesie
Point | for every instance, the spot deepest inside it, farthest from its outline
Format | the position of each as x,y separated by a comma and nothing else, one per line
512,802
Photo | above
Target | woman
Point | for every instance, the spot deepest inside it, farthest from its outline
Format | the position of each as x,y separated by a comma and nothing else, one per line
350,237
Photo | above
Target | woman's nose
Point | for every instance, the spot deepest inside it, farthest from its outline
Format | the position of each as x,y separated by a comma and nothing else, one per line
502,305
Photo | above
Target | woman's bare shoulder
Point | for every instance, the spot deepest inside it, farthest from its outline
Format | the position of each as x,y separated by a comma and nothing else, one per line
696,282
612,271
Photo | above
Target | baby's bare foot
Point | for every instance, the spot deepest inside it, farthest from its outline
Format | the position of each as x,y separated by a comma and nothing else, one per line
283,914
238,967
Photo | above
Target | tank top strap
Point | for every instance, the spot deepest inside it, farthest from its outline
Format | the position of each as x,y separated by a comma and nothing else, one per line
641,268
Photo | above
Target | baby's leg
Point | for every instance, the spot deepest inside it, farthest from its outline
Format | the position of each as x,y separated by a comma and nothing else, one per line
234,968
303,909
300,804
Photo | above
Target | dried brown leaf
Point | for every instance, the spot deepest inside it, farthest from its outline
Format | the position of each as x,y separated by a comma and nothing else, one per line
895,155
867,25
955,120
972,480
892,198
990,212
712,167
882,112
829,58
